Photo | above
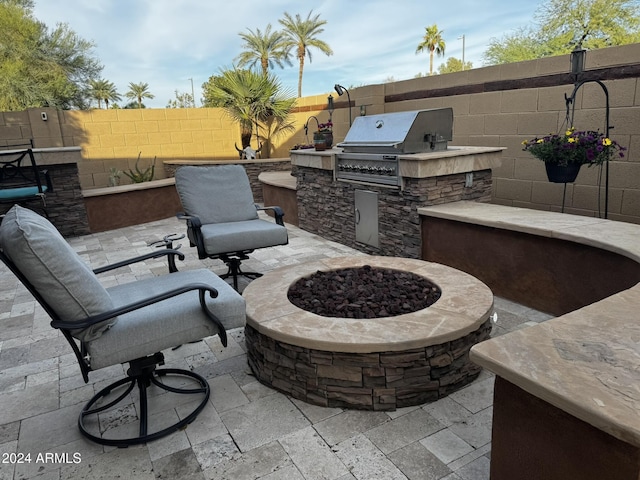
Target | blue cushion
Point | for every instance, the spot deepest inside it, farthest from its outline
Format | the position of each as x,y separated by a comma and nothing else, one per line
20,193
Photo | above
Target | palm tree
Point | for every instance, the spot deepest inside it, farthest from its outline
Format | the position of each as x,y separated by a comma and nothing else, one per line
265,49
432,42
111,94
97,89
138,91
102,89
251,99
302,34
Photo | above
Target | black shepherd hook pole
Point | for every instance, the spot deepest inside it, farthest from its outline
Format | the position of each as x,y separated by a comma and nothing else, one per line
577,66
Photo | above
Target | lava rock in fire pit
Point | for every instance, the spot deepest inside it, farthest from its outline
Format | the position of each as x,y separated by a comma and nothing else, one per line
363,292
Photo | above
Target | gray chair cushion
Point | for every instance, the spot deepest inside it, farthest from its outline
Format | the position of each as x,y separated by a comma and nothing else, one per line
55,270
238,236
166,324
216,194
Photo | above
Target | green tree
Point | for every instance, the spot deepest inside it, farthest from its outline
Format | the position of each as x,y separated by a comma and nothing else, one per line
139,91
41,68
265,49
182,100
133,105
561,25
433,43
251,99
301,35
454,65
103,90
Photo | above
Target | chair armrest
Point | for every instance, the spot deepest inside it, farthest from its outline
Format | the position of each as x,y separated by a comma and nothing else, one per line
159,253
190,219
194,233
277,211
202,290
47,178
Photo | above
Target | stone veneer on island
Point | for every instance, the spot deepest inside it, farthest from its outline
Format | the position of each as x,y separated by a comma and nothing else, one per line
326,205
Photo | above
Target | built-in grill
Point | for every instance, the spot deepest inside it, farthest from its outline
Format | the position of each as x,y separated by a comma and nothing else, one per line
374,142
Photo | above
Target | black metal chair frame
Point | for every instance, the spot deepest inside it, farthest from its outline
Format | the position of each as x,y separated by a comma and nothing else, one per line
233,260
142,371
14,175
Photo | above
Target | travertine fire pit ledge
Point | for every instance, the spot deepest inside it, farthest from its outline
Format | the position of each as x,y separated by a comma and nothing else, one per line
466,303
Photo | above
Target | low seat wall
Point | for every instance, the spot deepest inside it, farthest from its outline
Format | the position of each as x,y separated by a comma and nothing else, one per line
566,400
541,271
126,205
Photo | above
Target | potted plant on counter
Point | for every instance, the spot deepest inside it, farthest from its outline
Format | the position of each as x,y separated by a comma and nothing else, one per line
323,137
563,155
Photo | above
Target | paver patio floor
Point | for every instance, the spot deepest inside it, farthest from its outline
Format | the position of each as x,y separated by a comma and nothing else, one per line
247,430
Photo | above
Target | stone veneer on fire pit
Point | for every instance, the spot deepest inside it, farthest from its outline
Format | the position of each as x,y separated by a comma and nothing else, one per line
374,364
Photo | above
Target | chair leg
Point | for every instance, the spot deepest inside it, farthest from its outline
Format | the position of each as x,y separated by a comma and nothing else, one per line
142,373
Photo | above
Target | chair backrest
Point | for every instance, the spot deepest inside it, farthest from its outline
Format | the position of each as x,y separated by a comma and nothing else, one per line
65,285
17,144
19,172
216,194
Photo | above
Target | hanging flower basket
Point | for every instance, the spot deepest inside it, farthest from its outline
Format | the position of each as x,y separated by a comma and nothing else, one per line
563,155
562,173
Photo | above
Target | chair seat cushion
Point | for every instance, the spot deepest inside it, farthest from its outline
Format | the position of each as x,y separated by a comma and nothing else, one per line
165,324
245,235
20,193
54,269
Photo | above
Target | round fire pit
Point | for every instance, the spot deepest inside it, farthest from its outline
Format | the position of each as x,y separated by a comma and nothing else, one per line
368,363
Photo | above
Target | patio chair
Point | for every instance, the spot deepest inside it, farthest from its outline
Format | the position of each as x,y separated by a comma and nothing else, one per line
222,218
23,181
129,323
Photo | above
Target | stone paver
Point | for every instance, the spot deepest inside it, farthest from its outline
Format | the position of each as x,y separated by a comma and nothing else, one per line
247,431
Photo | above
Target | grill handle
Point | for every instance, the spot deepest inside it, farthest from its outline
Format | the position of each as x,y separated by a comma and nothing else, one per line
357,216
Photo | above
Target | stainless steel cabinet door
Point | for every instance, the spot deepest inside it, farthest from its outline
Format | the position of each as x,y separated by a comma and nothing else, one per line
366,216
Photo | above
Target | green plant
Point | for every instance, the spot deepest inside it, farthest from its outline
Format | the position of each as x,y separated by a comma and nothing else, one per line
114,176
592,148
140,176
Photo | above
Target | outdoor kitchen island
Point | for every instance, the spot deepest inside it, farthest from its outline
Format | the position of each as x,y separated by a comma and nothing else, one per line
383,219
365,193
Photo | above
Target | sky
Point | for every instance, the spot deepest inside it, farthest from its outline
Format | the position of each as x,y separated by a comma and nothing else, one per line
174,44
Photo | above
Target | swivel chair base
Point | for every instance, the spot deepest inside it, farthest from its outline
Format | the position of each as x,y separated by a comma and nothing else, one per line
143,373
233,262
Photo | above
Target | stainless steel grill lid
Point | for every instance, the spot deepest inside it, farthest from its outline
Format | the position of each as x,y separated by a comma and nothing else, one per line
402,132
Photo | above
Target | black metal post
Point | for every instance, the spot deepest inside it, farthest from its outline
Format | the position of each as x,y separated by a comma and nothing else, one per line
577,67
